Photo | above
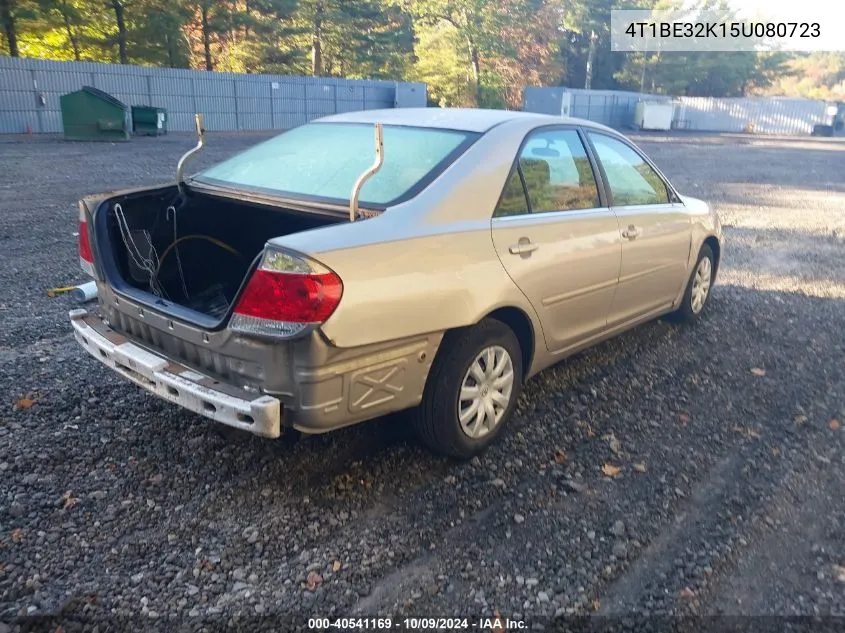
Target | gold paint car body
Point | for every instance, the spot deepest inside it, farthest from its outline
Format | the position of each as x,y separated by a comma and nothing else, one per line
438,262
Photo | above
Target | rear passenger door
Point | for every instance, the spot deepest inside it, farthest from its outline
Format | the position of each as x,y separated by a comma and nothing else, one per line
654,227
556,238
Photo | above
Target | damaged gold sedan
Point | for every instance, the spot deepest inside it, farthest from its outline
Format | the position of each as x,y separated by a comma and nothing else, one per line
372,262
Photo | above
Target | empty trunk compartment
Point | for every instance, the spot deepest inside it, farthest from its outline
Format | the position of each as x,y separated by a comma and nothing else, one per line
193,252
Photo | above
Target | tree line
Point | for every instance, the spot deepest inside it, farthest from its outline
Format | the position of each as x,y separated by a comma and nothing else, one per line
469,52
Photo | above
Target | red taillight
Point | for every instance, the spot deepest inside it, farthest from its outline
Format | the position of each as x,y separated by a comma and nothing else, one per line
285,295
290,297
86,255
85,244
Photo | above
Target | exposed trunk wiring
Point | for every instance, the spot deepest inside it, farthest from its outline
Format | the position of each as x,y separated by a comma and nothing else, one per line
147,264
170,209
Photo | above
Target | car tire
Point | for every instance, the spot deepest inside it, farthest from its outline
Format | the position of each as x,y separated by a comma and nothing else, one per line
697,293
462,367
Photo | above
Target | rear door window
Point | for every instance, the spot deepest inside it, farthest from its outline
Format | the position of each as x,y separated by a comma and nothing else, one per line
557,175
513,200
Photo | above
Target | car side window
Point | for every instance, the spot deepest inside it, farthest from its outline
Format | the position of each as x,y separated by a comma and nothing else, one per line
513,200
631,180
557,172
557,175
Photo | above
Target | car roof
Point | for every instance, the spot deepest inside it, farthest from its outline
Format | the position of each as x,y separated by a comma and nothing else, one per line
465,119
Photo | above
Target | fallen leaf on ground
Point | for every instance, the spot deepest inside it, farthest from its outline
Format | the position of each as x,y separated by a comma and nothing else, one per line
757,371
610,470
747,432
313,581
69,500
587,428
683,418
17,535
24,403
615,444
336,566
834,425
687,593
560,456
640,468
800,419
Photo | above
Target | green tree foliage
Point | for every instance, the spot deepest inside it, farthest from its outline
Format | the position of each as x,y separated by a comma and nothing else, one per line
469,52
15,15
482,52
815,76
354,38
706,74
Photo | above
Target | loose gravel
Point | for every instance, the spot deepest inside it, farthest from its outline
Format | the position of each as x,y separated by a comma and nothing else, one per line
118,508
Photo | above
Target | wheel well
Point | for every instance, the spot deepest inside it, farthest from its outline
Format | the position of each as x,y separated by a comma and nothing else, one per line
713,243
521,326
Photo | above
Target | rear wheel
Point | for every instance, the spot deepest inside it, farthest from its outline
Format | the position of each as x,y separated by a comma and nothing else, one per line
472,390
698,287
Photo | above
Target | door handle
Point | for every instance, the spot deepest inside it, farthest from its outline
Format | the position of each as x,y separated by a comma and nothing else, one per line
523,248
631,233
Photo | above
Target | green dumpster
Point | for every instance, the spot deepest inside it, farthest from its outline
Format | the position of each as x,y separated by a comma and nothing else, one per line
93,115
149,121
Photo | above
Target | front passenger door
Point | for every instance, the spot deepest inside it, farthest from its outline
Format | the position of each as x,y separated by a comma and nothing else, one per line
555,238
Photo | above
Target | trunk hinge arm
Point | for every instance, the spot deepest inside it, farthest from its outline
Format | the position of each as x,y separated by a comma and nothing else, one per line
356,190
180,167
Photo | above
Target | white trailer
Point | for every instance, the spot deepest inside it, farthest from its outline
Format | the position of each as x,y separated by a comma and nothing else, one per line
654,115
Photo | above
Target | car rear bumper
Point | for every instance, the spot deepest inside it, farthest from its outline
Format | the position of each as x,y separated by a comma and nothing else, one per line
257,414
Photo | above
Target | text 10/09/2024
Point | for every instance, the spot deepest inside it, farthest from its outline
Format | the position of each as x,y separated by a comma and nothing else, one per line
492,624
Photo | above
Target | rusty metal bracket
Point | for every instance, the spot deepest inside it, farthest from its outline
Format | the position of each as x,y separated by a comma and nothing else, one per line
379,161
180,167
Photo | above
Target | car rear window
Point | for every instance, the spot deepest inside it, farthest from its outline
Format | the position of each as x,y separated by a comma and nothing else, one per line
323,161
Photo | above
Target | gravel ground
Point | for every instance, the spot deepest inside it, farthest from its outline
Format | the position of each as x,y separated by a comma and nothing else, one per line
119,507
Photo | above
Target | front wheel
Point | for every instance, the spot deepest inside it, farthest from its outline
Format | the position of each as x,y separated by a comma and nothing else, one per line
472,390
698,287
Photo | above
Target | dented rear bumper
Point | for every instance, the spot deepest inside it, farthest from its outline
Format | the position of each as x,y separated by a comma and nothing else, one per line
315,386
258,414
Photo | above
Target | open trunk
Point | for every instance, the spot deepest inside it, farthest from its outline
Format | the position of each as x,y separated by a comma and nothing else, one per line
191,256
